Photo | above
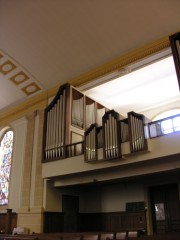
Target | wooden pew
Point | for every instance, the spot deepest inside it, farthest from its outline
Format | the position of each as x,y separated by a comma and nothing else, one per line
121,235
90,236
17,237
169,236
106,236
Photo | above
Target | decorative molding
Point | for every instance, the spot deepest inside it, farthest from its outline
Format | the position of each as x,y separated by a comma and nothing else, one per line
31,88
7,67
31,116
19,78
14,72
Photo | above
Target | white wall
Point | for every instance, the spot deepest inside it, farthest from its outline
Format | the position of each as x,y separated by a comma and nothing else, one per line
115,197
107,198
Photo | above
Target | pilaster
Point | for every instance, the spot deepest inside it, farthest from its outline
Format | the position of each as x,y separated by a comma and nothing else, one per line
26,185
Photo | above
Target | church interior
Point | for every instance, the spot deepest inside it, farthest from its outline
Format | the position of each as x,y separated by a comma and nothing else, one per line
89,119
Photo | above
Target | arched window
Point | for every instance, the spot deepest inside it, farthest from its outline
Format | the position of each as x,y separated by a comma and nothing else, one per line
166,122
6,149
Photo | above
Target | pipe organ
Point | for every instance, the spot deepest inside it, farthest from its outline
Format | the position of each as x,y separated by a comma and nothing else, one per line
67,118
74,124
91,143
136,127
90,112
55,127
77,113
111,131
124,130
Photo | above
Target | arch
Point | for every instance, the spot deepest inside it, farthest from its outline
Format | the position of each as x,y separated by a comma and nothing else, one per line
6,153
171,122
166,114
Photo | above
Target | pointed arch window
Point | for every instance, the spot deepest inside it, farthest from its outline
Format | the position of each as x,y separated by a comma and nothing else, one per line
6,150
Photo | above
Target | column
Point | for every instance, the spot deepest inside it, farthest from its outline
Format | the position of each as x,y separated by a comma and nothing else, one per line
38,189
26,185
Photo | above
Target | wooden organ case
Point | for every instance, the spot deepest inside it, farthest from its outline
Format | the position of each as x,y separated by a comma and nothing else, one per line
75,124
67,118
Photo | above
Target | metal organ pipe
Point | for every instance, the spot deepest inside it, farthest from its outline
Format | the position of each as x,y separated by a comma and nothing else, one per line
47,137
137,132
111,149
55,128
59,126
63,122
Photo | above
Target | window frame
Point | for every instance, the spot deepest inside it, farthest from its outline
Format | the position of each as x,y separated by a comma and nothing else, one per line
3,133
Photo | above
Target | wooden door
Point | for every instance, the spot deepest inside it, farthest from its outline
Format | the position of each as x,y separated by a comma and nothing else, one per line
165,208
70,207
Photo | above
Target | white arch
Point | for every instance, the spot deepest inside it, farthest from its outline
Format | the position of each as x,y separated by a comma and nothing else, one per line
166,114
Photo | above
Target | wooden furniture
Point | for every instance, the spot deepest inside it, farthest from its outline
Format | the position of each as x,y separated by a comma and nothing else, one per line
121,235
106,236
132,234
90,237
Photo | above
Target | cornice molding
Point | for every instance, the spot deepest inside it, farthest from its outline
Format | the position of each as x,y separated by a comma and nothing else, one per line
41,100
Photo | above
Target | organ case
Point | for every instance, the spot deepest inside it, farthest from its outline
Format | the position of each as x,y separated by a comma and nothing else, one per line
66,119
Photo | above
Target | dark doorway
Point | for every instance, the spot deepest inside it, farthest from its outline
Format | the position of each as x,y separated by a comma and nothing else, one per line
165,208
70,207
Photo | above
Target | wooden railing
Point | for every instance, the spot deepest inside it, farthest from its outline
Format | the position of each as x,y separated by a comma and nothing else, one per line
164,126
75,149
72,118
114,132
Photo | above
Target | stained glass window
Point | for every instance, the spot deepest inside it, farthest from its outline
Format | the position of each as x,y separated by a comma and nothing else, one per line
6,148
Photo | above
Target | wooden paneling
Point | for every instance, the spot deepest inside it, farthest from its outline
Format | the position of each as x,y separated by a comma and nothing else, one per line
166,219
53,222
12,222
96,222
90,222
113,222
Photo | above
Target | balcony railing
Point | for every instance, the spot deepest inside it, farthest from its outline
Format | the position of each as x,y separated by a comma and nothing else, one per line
164,126
75,149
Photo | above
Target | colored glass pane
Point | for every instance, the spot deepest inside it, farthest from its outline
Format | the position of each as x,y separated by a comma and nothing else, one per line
6,148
